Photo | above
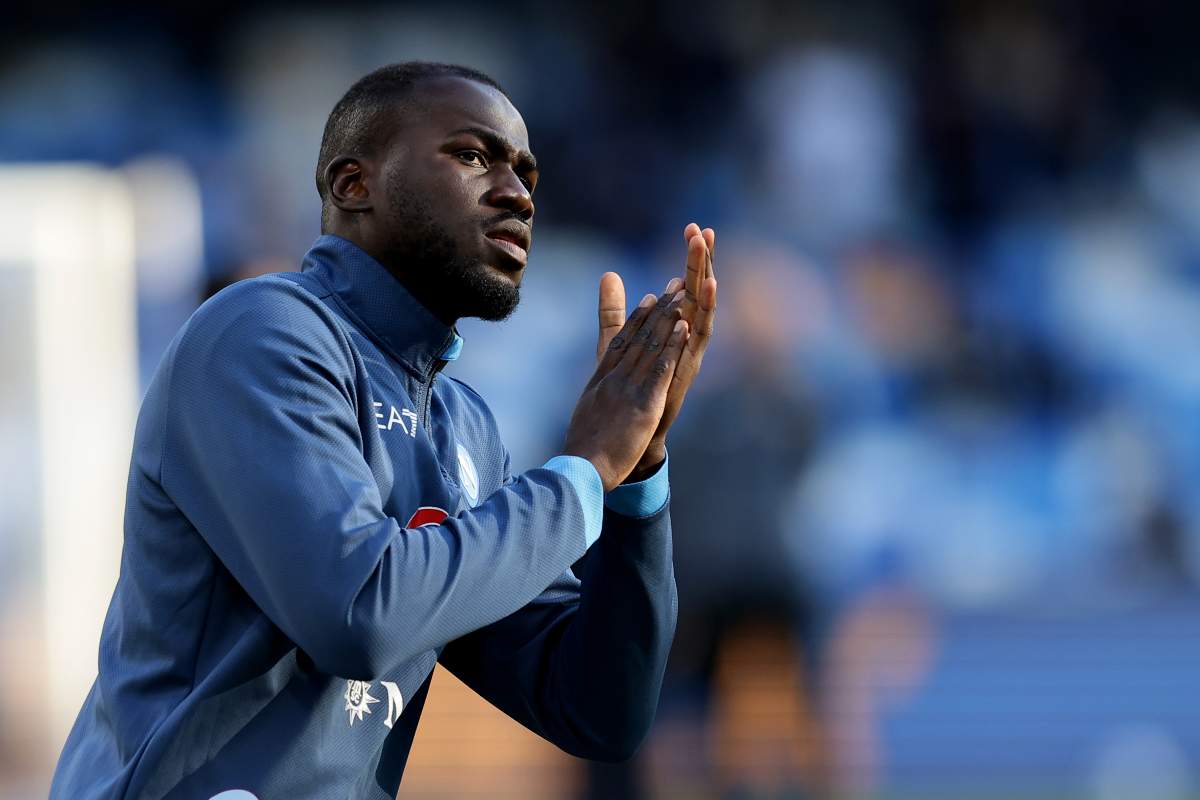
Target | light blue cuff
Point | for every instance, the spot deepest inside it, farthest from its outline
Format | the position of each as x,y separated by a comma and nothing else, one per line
643,498
586,480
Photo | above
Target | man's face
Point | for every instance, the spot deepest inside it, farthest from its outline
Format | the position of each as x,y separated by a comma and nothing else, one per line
458,178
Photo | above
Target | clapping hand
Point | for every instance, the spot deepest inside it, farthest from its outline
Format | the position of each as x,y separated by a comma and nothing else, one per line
697,306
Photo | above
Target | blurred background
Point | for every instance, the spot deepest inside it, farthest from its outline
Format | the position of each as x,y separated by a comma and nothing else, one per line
936,525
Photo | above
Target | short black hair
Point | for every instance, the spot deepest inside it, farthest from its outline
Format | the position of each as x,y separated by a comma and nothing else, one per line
354,126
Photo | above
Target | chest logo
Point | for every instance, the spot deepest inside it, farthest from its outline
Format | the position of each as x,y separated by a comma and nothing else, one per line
405,419
468,477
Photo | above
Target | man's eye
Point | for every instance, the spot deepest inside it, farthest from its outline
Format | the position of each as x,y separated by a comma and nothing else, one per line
473,157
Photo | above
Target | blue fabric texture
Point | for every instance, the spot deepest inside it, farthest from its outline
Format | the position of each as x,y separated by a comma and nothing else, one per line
586,480
644,498
315,516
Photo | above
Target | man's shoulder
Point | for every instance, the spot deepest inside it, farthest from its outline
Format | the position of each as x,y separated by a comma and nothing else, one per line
467,390
264,295
277,301
471,405
267,318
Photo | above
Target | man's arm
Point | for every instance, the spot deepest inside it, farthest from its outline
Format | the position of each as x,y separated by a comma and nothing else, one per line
585,672
262,451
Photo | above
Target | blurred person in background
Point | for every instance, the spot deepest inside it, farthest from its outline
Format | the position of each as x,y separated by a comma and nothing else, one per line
316,517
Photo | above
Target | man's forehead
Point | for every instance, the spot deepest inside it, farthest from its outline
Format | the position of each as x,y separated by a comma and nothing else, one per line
452,103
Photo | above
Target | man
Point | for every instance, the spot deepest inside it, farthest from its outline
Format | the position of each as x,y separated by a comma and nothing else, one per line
316,516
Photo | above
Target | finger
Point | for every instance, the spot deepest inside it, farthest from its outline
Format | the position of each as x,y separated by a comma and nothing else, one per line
697,264
660,371
710,239
651,329
661,302
628,333
705,316
611,311
618,345
701,333
691,230
693,353
654,334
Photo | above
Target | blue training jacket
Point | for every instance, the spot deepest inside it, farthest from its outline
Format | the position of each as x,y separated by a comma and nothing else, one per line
315,517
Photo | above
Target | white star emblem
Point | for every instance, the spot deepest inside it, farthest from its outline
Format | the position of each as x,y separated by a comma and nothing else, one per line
358,699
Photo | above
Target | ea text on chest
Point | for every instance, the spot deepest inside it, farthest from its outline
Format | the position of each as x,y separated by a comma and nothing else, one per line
405,419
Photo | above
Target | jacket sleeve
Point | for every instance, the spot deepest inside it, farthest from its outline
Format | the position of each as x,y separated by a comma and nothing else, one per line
263,452
585,671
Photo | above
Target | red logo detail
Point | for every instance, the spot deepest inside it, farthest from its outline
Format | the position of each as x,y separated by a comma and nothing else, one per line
426,515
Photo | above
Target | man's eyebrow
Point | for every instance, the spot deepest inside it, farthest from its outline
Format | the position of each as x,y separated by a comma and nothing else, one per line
522,158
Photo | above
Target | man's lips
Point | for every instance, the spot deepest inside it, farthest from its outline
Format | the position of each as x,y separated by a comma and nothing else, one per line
511,248
512,239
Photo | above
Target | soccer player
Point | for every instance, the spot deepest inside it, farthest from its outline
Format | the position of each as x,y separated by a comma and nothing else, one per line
316,515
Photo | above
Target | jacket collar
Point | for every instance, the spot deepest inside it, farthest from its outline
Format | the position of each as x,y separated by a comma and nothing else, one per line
381,305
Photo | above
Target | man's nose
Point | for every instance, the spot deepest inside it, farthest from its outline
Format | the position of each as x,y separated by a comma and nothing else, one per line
510,194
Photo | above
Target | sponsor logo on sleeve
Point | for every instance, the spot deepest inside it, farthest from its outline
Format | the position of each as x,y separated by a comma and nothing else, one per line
395,703
359,701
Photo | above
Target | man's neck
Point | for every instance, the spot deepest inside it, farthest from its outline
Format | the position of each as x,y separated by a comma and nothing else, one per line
354,235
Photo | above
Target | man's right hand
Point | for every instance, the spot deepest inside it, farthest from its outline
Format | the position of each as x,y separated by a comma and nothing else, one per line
623,403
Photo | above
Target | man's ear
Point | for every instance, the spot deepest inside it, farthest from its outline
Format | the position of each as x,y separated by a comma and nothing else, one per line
346,179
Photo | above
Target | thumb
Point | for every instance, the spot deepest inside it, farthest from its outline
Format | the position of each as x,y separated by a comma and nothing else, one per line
612,310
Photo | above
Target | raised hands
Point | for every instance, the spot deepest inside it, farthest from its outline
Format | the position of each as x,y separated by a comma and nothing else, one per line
622,405
645,366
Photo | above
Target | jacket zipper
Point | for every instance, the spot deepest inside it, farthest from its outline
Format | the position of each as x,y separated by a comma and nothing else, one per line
427,392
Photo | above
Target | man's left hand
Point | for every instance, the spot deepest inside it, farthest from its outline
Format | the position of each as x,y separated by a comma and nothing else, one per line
698,308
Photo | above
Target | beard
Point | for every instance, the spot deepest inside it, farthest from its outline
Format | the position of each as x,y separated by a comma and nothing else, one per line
431,265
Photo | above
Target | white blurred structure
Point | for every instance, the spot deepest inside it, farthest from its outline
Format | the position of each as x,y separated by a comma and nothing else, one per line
67,260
